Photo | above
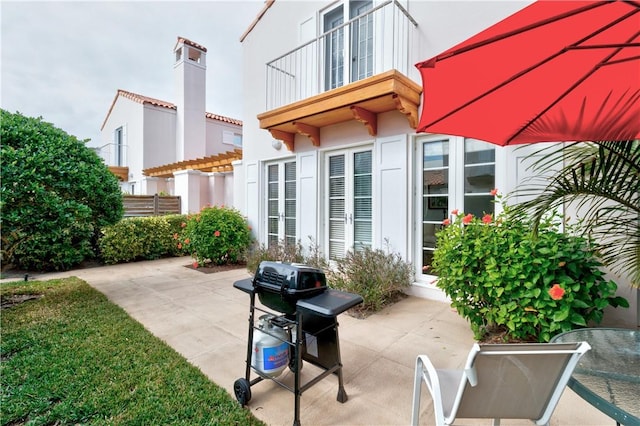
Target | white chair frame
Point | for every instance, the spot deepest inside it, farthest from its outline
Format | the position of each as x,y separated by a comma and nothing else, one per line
531,367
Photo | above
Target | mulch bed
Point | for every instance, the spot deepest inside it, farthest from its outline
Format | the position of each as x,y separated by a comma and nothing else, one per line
212,269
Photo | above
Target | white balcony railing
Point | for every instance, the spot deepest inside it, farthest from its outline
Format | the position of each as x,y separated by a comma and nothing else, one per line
376,41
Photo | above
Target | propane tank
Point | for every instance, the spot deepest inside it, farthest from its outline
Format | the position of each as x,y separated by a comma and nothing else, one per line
270,347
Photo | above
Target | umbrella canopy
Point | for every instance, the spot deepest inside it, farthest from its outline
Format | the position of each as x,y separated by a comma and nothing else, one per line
553,71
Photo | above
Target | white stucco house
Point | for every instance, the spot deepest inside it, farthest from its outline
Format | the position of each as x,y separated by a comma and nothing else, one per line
331,104
155,146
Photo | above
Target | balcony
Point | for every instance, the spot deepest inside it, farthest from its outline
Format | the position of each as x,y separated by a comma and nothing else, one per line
314,85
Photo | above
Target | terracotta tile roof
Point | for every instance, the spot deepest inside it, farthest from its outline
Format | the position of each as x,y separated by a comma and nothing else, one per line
190,43
223,118
141,99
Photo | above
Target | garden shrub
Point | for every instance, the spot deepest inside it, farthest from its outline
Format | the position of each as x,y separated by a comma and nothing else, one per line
503,278
378,276
177,225
286,252
137,238
217,235
56,195
277,252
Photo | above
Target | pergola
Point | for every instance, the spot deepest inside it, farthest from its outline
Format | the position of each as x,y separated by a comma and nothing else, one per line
213,163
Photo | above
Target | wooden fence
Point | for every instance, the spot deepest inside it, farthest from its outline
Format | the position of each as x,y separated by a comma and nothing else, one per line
150,205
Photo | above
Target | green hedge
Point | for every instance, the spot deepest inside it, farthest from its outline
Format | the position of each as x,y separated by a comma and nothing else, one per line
142,238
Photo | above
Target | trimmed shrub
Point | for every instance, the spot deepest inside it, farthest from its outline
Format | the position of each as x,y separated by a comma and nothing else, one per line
56,195
217,235
137,238
506,280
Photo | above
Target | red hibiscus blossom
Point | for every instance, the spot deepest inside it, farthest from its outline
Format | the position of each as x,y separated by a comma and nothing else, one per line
195,264
486,218
186,241
493,192
175,236
179,246
446,222
216,234
183,224
467,219
454,212
556,292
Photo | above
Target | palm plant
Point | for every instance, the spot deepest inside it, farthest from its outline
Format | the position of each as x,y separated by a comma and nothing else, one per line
601,181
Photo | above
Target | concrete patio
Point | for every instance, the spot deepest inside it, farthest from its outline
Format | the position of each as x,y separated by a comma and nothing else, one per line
204,318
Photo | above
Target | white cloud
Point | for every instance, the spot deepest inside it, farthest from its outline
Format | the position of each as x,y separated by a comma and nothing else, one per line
65,60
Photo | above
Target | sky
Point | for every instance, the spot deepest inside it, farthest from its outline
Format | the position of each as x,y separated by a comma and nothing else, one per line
64,61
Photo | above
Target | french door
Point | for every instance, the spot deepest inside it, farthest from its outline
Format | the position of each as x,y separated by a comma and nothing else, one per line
454,173
281,203
348,49
349,201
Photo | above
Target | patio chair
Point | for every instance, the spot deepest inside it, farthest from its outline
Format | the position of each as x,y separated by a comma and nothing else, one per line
499,381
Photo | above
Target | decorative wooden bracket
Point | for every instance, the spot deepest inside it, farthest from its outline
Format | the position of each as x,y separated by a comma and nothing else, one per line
407,108
287,138
311,132
366,117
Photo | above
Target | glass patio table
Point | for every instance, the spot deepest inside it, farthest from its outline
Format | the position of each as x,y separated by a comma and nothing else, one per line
608,376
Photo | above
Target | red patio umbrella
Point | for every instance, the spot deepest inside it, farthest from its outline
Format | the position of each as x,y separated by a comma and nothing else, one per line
553,71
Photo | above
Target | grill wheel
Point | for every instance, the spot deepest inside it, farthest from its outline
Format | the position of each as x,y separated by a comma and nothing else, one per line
242,390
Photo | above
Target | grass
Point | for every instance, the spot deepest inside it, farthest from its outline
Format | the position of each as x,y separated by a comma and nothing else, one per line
73,357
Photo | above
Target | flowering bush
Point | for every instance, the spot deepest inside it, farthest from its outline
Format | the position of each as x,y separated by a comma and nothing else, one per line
502,278
217,235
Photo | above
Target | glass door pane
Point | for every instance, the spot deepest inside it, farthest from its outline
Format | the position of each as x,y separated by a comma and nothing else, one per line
361,40
334,48
435,195
273,207
337,211
290,203
479,177
362,200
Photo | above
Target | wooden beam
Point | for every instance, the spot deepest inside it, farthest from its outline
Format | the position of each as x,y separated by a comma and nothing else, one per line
366,117
287,138
311,132
407,108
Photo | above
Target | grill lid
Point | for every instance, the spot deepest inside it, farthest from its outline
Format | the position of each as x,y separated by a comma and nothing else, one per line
291,279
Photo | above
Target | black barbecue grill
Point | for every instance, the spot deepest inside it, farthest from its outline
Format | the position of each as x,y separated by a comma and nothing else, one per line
280,285
307,310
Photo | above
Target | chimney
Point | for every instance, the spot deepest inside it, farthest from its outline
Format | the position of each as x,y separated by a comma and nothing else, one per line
190,80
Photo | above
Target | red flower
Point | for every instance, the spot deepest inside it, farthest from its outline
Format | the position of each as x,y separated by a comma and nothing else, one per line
446,222
493,192
179,246
175,236
486,218
187,241
216,234
454,212
195,264
556,292
467,219
183,224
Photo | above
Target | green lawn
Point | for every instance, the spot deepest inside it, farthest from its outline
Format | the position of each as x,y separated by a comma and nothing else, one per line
73,357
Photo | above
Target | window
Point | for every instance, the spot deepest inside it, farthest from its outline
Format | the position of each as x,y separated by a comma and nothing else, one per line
353,41
454,174
281,203
119,147
231,138
350,201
